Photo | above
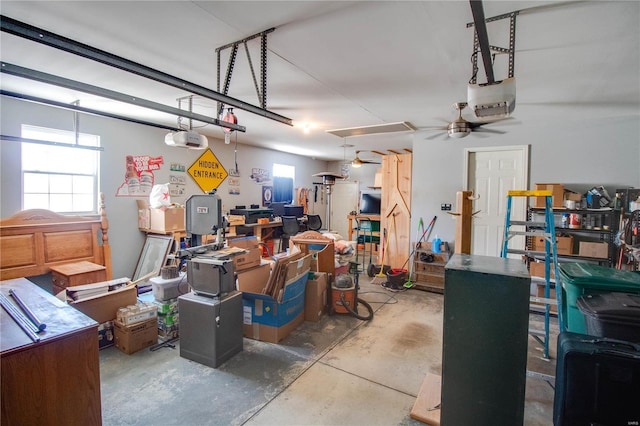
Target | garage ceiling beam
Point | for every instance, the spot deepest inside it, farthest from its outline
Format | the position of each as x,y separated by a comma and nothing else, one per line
50,39
18,71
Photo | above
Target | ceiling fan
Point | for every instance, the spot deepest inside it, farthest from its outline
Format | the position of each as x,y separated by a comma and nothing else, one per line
358,162
460,128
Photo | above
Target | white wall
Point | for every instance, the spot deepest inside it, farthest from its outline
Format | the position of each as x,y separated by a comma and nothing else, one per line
580,149
120,138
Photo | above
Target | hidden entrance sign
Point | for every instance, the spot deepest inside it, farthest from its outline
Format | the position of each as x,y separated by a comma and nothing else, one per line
207,171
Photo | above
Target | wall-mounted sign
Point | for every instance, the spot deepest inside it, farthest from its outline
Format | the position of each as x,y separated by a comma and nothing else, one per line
139,177
207,171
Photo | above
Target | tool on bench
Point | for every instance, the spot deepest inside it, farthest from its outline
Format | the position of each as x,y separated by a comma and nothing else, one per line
32,317
23,322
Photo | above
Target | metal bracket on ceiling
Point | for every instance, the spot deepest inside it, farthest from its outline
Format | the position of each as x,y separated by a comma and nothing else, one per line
39,35
261,89
477,46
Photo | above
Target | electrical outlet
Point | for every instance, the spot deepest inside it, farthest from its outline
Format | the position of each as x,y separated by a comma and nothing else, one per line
445,207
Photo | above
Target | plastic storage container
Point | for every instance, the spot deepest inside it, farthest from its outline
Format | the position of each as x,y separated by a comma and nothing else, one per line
166,289
612,315
588,278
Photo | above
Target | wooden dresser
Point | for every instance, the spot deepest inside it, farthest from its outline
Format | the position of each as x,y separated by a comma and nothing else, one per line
55,381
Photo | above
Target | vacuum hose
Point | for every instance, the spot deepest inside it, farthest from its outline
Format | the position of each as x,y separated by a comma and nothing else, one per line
355,313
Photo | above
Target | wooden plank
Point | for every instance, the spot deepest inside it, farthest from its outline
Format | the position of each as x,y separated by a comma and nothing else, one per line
424,409
396,207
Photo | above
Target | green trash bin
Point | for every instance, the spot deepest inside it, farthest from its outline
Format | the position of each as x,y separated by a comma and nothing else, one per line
588,278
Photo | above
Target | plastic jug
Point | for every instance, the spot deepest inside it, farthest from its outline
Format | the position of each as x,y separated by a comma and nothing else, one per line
435,245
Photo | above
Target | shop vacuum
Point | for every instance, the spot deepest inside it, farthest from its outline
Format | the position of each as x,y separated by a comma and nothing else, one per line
344,295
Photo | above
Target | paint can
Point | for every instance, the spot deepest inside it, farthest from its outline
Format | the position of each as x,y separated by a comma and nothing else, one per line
565,220
574,220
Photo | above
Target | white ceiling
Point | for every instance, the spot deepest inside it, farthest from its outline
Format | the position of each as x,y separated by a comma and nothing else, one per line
338,64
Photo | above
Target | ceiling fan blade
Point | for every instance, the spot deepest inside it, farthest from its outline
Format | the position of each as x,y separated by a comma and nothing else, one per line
485,130
370,162
437,135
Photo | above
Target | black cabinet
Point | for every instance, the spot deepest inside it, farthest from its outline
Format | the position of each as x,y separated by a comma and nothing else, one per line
484,356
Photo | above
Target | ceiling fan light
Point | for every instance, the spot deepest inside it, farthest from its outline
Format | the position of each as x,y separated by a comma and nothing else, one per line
356,163
458,134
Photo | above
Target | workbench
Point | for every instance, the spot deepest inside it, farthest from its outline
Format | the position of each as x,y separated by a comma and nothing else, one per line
259,228
55,381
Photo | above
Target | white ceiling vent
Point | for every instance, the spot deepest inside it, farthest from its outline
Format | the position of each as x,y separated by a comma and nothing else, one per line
402,126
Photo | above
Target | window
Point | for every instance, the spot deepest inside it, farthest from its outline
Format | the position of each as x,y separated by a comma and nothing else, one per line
282,170
60,173
283,182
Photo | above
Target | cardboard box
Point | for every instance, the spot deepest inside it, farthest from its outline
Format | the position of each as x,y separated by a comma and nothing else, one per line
136,337
297,267
144,217
564,245
249,259
539,292
572,196
594,249
536,269
254,279
162,220
267,320
167,220
104,307
557,190
315,296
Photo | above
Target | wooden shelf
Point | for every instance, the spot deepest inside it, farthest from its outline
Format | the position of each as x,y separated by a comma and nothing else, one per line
429,276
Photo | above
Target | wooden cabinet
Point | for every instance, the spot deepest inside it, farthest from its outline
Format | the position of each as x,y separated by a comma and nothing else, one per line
55,381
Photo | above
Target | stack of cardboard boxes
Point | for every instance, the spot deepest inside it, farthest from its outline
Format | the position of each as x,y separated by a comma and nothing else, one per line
279,295
101,301
165,294
135,327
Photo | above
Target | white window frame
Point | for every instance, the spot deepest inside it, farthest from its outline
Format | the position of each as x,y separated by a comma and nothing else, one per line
61,149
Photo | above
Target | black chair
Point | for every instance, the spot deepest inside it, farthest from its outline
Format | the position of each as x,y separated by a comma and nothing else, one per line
314,223
290,227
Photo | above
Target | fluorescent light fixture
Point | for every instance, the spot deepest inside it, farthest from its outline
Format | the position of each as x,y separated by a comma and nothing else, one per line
401,126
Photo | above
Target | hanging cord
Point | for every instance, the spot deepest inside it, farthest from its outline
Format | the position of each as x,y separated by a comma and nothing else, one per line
354,312
76,123
235,155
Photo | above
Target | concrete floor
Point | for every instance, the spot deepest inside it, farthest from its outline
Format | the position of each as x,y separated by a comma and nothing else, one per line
339,371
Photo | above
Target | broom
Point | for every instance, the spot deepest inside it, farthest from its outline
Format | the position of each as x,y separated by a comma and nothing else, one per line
409,284
381,273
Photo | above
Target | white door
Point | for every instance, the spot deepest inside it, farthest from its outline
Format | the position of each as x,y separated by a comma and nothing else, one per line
344,200
490,173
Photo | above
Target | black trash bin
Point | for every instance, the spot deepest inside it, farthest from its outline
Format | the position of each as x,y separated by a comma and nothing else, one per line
613,315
